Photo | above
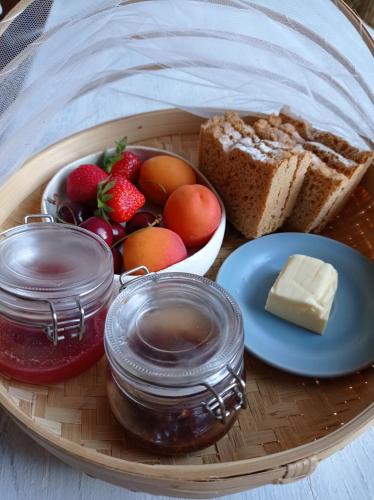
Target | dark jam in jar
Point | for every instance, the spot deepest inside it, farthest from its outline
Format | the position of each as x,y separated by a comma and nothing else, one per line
175,345
51,271
161,430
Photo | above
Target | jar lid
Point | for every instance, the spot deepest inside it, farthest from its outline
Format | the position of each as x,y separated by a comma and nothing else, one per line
173,330
58,262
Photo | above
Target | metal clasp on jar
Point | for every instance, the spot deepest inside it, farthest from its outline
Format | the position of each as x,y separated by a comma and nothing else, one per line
217,404
123,283
54,332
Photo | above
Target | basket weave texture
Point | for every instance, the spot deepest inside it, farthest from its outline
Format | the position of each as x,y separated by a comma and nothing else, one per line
284,410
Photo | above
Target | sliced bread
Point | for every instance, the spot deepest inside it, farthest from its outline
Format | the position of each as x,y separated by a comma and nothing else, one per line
320,191
281,168
254,177
336,154
286,134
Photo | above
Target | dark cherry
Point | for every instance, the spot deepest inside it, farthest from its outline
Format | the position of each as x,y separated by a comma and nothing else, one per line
73,213
100,227
117,260
118,232
139,221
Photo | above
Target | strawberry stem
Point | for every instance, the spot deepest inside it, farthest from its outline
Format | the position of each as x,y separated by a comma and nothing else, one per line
109,160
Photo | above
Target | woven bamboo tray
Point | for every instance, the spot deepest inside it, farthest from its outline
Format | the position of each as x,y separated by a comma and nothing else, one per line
291,423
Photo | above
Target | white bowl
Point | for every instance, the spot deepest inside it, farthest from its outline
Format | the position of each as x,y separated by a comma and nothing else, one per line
197,263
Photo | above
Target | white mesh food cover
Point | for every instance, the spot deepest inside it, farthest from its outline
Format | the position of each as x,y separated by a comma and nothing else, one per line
67,65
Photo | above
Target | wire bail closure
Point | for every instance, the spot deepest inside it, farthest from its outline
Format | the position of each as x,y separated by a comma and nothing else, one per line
53,331
56,331
216,405
30,217
123,283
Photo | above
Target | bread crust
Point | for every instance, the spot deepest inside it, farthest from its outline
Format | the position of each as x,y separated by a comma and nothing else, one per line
280,169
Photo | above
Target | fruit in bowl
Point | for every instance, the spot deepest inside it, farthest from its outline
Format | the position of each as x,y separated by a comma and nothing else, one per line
122,204
163,174
100,227
122,163
118,199
140,221
154,247
194,213
72,213
82,183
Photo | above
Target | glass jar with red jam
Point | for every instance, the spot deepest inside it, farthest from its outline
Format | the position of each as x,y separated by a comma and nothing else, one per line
174,342
56,284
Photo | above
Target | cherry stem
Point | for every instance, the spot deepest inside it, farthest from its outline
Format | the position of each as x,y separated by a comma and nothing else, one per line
157,220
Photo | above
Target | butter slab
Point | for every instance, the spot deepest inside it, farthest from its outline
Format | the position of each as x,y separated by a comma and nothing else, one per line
303,292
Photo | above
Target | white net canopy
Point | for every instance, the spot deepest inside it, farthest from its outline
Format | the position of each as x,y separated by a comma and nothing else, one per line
66,65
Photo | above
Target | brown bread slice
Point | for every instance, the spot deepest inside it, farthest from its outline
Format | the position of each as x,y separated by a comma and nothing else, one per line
304,160
339,156
343,147
344,196
267,130
351,169
304,128
259,186
320,186
274,129
321,189
333,159
253,177
285,133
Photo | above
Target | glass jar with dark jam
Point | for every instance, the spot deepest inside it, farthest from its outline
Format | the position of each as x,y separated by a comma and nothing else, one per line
56,284
174,342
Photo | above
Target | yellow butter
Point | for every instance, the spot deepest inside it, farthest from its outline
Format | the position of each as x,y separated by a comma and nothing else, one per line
304,292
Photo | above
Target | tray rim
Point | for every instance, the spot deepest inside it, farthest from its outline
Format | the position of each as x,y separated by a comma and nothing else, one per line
330,442
279,461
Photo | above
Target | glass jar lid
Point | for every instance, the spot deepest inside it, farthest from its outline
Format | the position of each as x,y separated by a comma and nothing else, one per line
45,262
174,330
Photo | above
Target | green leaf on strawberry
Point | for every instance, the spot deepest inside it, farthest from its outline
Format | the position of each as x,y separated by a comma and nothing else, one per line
118,199
109,159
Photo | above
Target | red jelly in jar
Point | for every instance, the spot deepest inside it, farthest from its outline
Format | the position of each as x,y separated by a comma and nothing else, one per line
56,284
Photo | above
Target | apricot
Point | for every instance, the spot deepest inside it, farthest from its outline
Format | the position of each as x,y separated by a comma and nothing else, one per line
153,247
163,174
194,213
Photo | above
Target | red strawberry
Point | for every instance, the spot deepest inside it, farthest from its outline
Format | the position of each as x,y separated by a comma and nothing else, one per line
82,183
128,167
123,163
118,199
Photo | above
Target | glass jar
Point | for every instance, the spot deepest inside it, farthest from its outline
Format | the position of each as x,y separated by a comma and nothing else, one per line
56,283
174,342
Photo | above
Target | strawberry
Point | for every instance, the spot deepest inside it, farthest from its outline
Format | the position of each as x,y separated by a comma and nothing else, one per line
82,183
118,199
122,163
128,167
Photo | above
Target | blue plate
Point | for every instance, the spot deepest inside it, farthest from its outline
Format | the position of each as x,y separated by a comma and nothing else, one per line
347,344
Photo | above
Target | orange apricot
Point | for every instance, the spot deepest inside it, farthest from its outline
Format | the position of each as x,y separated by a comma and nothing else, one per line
163,174
153,247
194,213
